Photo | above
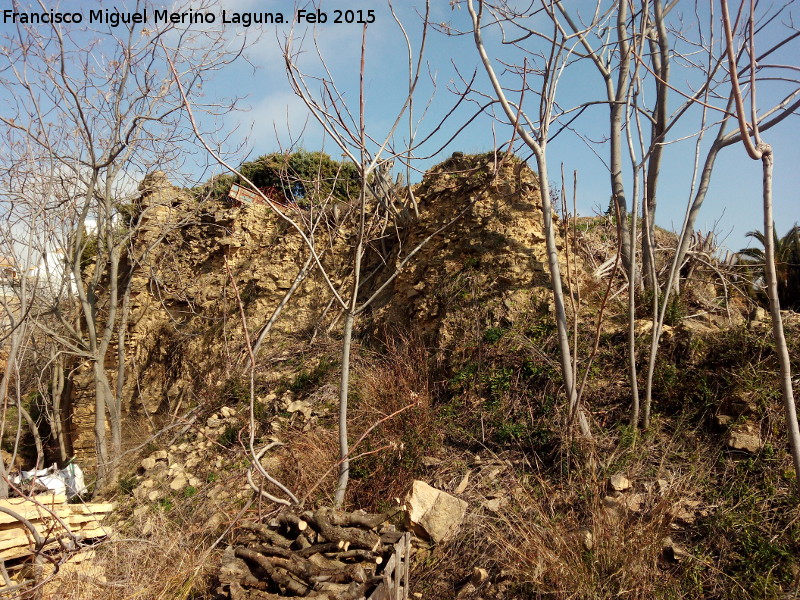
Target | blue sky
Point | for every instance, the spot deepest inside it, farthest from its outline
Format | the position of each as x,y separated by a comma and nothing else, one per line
732,207
269,110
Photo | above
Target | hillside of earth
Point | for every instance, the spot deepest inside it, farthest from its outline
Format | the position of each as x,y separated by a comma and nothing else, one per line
233,350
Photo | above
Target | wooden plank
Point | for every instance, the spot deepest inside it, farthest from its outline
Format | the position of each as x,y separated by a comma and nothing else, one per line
81,520
74,522
91,508
20,531
391,564
398,572
395,575
382,591
407,563
29,508
21,551
46,499
32,513
24,546
241,194
392,537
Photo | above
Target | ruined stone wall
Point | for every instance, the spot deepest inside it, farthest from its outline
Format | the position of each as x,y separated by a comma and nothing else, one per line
185,335
492,257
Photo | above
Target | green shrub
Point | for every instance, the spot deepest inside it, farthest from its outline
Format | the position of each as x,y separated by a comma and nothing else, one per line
126,485
229,437
493,334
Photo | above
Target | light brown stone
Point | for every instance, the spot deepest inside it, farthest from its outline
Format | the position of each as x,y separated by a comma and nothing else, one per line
436,513
178,483
745,438
619,483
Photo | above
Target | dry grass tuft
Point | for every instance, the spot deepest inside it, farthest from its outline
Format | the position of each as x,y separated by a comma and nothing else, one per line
541,542
309,461
564,538
396,383
159,561
160,550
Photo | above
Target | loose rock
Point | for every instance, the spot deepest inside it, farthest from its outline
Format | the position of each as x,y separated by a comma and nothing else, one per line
434,513
745,438
619,483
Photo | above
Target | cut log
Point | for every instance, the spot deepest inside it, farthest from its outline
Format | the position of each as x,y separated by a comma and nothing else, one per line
358,538
269,535
279,576
291,521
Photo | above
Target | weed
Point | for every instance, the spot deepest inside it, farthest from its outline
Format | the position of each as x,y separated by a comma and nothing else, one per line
229,437
493,334
126,485
512,432
471,262
544,555
499,382
627,436
236,390
262,412
306,380
399,381
540,330
463,376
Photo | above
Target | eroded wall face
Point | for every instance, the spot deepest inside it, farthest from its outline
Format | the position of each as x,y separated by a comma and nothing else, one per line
185,338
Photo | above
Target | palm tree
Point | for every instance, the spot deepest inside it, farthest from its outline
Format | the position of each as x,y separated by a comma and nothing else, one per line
787,264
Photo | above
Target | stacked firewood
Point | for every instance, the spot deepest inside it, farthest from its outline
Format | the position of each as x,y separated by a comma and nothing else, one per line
324,554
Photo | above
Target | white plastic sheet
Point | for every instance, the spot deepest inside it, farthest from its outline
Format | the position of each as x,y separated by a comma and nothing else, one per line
69,480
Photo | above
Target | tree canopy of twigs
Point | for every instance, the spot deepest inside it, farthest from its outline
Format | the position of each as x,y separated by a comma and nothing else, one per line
87,112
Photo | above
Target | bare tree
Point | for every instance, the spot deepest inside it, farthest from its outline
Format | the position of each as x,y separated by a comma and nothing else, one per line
545,69
98,108
758,149
783,105
379,209
632,46
19,291
371,214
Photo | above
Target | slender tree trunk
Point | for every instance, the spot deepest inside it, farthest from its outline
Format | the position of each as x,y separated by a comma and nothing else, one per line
56,396
618,194
558,297
632,373
659,51
3,480
37,438
102,397
617,111
683,246
787,392
122,331
115,401
656,303
5,381
344,386
115,422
